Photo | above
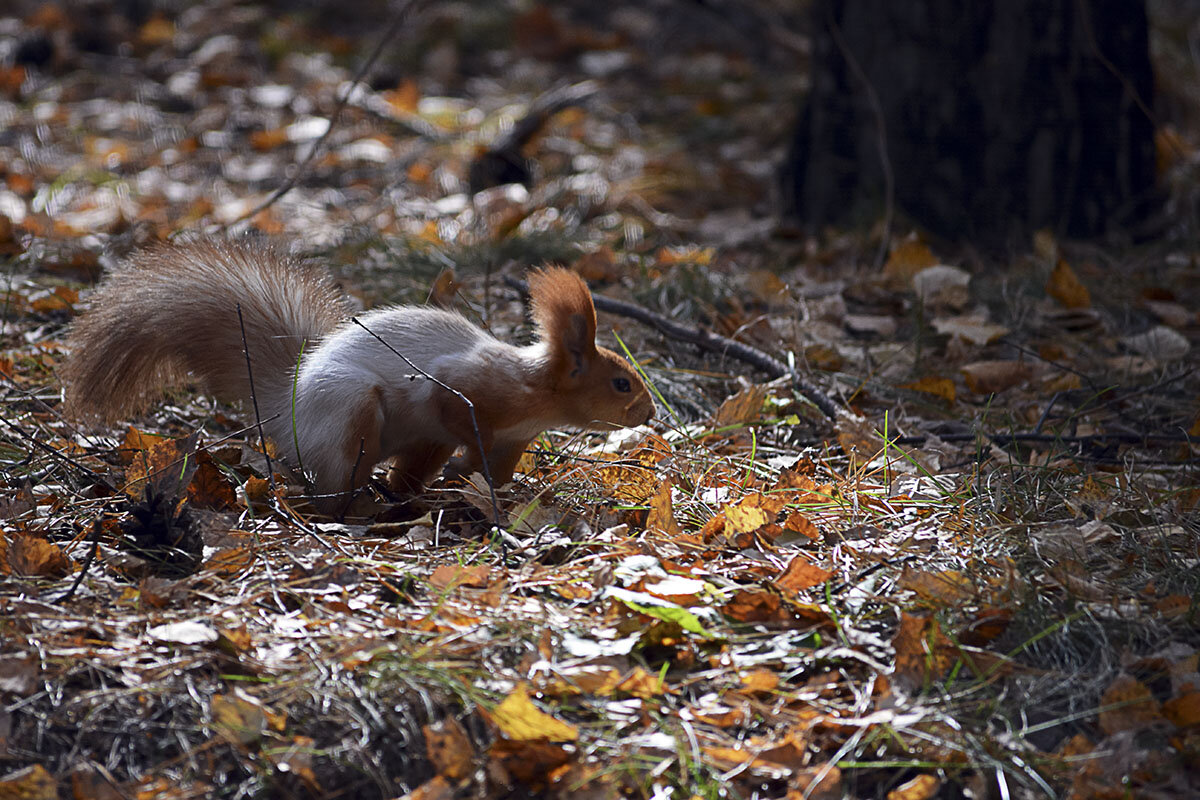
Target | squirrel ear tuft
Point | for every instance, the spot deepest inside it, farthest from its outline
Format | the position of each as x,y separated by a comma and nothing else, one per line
562,308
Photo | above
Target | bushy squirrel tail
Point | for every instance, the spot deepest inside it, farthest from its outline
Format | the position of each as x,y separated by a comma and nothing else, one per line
173,310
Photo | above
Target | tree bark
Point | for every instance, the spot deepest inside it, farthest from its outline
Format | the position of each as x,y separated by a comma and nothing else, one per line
984,120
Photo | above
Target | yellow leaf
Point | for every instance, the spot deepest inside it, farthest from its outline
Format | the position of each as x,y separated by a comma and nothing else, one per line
921,787
940,387
449,748
744,519
238,719
518,718
641,683
909,257
1065,287
31,783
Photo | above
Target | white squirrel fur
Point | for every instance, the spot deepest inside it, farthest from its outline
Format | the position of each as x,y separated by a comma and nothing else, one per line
172,312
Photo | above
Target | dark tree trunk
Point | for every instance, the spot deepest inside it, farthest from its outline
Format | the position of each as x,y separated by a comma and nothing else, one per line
1001,116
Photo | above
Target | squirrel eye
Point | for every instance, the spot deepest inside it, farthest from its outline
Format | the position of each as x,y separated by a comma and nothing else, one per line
622,384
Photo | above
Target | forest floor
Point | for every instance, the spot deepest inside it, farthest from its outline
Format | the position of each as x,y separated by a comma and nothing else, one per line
978,578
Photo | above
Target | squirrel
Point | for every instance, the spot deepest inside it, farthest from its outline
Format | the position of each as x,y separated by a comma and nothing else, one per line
334,398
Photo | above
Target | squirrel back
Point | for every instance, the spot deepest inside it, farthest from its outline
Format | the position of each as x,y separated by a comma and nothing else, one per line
173,310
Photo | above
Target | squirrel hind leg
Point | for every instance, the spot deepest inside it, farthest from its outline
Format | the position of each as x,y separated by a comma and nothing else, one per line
412,470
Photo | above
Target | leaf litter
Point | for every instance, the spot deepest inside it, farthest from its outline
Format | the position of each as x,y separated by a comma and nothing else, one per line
983,575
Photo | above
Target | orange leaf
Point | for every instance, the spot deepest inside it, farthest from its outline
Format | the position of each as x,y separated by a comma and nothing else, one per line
921,787
909,257
449,748
450,576
742,407
1183,711
939,387
1065,287
662,511
1129,706
802,574
34,557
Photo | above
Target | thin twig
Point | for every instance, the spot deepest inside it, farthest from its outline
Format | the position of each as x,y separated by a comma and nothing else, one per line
398,19
262,437
487,473
87,562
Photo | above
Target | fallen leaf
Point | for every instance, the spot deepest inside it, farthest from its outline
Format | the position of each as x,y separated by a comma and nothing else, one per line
31,783
974,329
908,257
520,720
802,574
990,377
449,748
922,787
1065,287
34,557
662,512
1128,705
741,408
451,576
745,519
939,387
1183,711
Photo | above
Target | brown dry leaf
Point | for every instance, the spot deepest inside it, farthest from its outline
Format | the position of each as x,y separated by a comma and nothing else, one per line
802,574
1183,711
210,488
858,438
451,576
989,377
87,783
816,783
34,557
741,408
1132,706
921,787
238,719
62,298
258,490
641,683
529,762
798,522
231,562
268,139
755,606
449,749
1065,287
939,387
662,512
31,783
157,30
436,788
922,651
166,465
944,589
135,442
520,720
908,257
405,98
700,256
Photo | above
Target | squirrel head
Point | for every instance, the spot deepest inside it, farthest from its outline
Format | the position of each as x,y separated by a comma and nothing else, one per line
594,387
